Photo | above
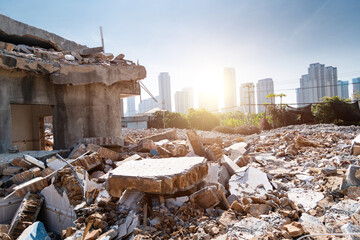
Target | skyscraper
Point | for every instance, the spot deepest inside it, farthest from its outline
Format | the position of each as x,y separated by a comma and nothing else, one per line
356,85
209,101
130,106
164,91
247,97
263,88
184,100
319,82
148,104
229,89
343,89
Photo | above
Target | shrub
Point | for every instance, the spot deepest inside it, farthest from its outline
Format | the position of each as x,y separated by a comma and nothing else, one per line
176,120
324,113
202,119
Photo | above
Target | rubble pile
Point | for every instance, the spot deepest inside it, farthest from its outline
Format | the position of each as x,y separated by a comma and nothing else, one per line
185,184
51,56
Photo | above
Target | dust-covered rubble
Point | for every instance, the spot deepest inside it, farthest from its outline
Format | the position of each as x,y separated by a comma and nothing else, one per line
185,184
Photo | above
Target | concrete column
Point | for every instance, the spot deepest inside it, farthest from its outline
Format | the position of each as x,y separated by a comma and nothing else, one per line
91,110
5,116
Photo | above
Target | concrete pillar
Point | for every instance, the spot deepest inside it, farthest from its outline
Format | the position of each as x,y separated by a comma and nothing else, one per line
5,116
82,111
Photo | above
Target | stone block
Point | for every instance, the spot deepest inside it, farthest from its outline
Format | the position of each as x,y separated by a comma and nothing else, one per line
160,176
295,229
206,197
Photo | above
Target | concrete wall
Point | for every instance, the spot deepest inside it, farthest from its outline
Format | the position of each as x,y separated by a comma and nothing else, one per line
18,87
25,125
91,110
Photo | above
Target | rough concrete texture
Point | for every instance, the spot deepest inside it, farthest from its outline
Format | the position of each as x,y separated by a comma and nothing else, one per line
75,74
18,31
249,180
79,112
159,176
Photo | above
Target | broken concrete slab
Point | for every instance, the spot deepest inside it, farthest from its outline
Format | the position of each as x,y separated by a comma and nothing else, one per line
26,214
161,176
104,152
312,225
248,228
230,165
34,161
306,198
169,135
217,174
249,181
351,228
195,143
58,214
35,185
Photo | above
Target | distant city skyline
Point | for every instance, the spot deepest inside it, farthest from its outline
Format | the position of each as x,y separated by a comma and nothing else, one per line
259,38
320,81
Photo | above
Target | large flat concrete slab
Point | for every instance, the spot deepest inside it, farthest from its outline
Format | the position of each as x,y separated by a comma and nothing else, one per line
158,176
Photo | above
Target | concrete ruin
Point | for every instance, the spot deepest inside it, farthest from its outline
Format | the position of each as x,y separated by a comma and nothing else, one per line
43,74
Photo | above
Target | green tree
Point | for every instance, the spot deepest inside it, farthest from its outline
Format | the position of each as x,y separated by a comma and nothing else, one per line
202,119
176,120
324,113
356,95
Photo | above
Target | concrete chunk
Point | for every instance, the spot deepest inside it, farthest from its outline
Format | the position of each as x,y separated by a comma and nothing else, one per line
249,181
161,176
206,197
195,143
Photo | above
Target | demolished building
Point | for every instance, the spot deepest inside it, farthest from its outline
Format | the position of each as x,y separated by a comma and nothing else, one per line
43,74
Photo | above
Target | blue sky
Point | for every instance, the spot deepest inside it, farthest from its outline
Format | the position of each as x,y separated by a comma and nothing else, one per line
194,40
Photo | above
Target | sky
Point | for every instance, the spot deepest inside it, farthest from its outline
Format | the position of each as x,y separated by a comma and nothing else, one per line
194,40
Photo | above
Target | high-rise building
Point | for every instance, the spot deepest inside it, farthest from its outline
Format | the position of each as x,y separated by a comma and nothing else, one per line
263,88
190,94
320,81
165,91
304,94
331,81
130,106
247,98
229,89
343,89
184,100
209,101
356,85
148,104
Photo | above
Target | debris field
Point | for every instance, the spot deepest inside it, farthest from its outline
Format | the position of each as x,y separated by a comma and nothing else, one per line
185,184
